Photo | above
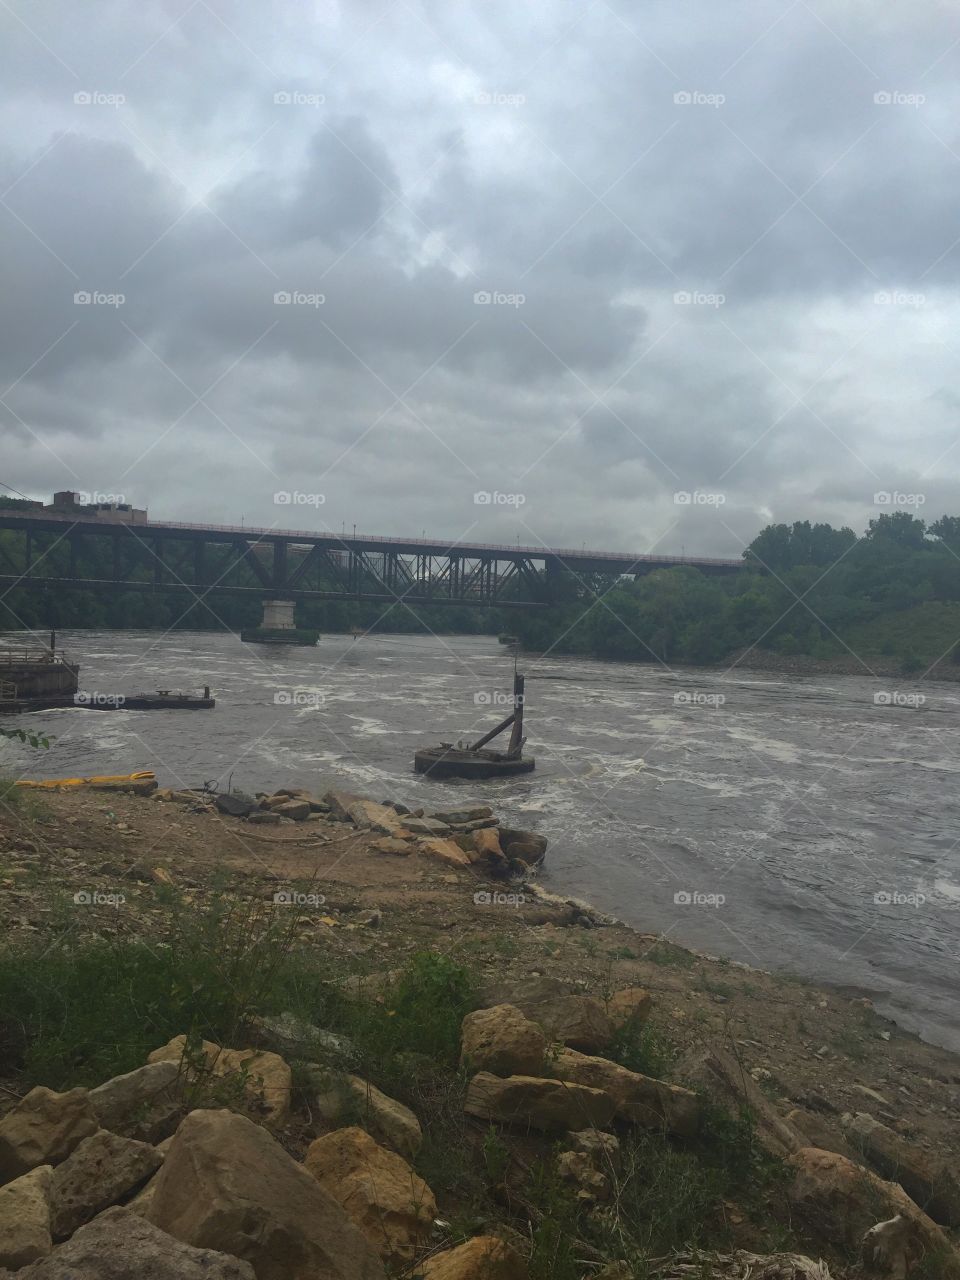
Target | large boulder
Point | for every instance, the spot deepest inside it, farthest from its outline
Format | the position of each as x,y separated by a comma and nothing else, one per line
932,1185
639,1099
236,804
119,1245
391,1205
842,1201
526,846
348,1099
502,1040
227,1184
43,1128
546,1105
25,1232
263,1077
142,1104
482,1258
485,842
578,1021
367,814
569,1018
447,851
296,810
101,1171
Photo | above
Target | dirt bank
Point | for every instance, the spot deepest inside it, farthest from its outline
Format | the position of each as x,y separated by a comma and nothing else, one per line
85,863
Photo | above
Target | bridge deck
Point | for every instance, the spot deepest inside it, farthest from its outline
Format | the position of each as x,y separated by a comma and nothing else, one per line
618,561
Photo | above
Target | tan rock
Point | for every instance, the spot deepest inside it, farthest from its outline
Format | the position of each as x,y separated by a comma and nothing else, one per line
25,1218
933,1186
502,1040
298,810
100,1172
393,847
576,1020
602,1148
447,851
816,1130
577,1169
842,1201
349,1099
546,1105
525,845
142,1201
391,1205
226,1184
482,1258
364,813
263,1077
142,1104
120,1245
43,1128
639,1099
466,813
486,842
632,1004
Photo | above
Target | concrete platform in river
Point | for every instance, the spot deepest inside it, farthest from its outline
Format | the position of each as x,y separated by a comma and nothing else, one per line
452,762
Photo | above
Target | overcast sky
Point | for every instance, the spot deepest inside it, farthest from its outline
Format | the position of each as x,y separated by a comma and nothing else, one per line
720,244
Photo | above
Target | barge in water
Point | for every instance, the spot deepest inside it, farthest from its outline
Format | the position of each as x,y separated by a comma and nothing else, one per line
41,679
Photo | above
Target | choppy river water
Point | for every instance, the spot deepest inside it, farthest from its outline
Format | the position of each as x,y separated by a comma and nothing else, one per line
789,822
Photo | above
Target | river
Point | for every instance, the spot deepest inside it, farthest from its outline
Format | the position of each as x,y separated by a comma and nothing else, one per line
789,822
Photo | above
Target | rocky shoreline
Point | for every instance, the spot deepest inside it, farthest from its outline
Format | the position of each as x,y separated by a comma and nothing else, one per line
581,1056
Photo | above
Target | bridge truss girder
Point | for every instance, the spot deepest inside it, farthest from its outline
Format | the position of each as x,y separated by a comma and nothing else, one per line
123,557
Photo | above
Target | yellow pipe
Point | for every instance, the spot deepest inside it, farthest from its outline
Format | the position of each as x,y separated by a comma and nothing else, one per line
50,783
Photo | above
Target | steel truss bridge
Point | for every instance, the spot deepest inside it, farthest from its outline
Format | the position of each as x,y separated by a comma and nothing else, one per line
47,551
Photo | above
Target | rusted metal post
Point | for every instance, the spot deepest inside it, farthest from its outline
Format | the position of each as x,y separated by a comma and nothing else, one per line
516,737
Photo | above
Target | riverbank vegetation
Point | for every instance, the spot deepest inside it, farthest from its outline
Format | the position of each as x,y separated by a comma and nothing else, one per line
806,590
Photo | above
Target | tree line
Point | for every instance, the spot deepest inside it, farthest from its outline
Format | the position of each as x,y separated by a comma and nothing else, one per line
805,589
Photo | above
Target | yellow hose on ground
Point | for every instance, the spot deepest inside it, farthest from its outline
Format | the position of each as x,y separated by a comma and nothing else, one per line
51,783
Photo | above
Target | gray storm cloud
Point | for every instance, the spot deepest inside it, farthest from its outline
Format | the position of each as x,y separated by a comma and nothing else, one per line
597,255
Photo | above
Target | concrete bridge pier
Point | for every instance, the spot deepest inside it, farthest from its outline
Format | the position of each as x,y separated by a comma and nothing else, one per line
279,626
278,615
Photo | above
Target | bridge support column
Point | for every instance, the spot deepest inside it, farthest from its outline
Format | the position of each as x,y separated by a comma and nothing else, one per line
278,615
279,626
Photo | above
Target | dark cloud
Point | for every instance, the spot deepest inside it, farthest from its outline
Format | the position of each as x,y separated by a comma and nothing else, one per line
747,291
